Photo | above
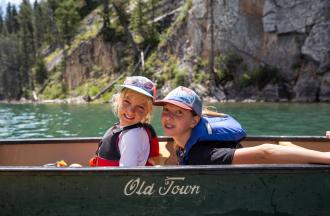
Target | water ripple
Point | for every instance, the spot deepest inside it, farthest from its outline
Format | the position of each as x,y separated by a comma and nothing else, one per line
44,121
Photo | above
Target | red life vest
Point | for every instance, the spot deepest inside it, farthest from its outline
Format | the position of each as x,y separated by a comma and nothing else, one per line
108,153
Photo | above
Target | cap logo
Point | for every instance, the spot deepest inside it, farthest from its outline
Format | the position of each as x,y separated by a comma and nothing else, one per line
140,83
186,95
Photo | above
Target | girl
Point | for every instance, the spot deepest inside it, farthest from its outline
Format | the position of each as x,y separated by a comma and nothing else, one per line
131,141
182,115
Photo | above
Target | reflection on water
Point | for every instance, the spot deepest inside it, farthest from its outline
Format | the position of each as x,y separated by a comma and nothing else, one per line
62,120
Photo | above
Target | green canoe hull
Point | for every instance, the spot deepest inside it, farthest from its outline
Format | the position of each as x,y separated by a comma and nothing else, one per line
200,190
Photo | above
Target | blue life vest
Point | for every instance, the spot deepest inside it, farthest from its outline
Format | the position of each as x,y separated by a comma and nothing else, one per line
214,128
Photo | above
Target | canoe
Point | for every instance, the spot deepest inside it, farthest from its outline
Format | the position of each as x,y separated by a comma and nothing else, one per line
29,188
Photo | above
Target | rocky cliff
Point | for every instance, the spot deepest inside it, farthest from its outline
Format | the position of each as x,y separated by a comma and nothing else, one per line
292,37
286,44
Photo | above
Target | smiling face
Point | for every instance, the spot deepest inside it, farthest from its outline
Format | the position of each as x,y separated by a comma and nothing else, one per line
178,123
133,108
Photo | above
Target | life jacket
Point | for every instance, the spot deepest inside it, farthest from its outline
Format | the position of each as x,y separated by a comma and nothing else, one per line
108,153
213,128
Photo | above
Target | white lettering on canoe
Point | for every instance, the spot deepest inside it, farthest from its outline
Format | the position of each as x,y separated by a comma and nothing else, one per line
136,186
172,186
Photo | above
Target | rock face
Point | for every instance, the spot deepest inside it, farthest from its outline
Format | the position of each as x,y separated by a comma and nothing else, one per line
291,36
90,57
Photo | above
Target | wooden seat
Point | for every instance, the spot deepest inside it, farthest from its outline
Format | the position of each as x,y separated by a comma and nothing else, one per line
166,156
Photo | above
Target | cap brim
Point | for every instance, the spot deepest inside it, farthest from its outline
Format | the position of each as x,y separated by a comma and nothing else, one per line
174,102
133,88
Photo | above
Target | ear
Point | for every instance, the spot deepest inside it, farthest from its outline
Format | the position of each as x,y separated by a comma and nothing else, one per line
195,120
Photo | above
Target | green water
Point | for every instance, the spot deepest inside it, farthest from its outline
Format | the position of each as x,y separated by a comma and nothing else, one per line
62,120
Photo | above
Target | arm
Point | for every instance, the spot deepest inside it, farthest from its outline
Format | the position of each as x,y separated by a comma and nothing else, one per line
276,154
327,134
134,147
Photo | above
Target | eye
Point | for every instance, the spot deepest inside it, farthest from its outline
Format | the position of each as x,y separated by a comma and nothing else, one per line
126,102
178,113
140,109
165,110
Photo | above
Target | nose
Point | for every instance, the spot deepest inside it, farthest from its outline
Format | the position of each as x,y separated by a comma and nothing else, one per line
168,115
130,109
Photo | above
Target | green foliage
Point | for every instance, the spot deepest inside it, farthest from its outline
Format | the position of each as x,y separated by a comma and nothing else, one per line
226,66
151,65
264,75
145,33
201,77
67,17
260,77
54,91
40,71
184,12
88,6
180,77
244,81
181,18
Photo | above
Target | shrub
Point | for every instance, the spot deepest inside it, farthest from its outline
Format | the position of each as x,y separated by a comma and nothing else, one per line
180,77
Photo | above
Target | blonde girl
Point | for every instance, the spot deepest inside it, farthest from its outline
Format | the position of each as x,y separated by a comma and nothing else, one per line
131,141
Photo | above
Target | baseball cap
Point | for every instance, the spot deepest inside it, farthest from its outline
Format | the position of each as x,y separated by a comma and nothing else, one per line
183,97
139,84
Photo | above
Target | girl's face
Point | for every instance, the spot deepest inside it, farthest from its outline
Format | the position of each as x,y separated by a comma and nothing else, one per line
177,122
133,108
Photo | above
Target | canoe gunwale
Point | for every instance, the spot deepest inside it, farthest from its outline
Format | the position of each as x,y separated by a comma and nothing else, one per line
198,169
161,138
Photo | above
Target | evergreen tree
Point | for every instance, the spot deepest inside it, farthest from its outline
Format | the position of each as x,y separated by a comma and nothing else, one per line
15,20
27,44
67,17
40,71
1,22
120,8
141,23
106,15
88,6
138,18
10,65
51,31
9,18
39,23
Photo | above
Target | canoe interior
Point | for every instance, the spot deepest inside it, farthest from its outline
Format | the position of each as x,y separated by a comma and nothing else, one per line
38,152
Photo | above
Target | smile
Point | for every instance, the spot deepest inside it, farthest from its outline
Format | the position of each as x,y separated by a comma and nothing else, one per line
128,117
169,126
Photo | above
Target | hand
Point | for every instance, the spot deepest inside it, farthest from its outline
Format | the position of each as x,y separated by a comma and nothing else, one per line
327,134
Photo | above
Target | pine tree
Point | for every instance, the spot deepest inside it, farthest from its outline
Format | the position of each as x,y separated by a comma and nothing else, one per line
15,20
39,24
67,18
1,22
40,71
88,6
27,44
138,21
10,65
51,30
9,18
120,8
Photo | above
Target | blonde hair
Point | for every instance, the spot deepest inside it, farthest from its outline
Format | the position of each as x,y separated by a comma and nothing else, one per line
117,98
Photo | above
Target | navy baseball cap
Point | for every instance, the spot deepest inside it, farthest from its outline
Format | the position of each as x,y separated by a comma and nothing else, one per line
183,97
139,84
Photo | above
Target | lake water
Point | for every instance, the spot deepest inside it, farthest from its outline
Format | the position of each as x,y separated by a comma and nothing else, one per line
92,120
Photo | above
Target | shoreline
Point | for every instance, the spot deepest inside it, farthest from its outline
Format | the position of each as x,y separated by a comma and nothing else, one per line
81,100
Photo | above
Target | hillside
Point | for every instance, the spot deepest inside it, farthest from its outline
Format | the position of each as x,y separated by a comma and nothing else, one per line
231,50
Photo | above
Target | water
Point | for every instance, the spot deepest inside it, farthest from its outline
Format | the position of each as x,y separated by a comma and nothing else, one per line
92,120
